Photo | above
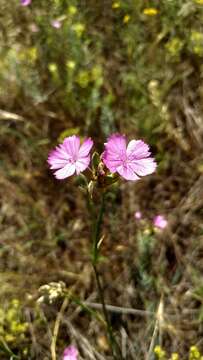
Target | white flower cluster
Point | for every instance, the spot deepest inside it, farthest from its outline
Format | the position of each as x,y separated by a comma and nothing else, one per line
52,291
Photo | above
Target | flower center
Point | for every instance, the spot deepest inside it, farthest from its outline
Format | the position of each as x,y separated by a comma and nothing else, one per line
72,160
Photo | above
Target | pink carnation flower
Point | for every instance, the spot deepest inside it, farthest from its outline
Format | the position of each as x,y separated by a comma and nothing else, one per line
34,28
56,24
138,215
160,221
130,161
25,2
70,353
70,157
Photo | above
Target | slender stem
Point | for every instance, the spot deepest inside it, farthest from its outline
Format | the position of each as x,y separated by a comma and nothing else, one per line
157,327
116,352
7,349
112,341
96,231
56,328
89,310
155,332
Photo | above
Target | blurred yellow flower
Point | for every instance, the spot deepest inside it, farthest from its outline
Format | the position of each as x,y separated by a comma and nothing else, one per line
97,75
126,19
160,353
32,53
83,78
15,303
150,11
196,36
71,64
79,28
9,338
194,353
28,54
174,46
199,2
174,356
52,68
196,39
116,5
96,72
72,10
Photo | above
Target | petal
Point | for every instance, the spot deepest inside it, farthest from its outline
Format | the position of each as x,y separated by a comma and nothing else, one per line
143,167
110,161
116,143
57,163
58,158
72,145
82,164
60,153
138,149
65,172
127,173
85,148
115,152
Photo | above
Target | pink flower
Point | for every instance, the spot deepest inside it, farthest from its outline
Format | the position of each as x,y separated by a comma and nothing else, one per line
56,24
70,353
130,161
34,28
160,221
70,157
138,215
25,2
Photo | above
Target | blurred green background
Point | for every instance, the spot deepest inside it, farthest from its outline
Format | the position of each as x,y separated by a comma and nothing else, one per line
93,68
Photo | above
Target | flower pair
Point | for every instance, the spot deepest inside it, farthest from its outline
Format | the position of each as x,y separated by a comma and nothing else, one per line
159,221
130,161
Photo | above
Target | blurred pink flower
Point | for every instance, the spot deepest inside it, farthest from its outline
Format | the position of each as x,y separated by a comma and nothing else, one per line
56,24
130,161
34,28
70,157
160,222
25,2
138,215
70,353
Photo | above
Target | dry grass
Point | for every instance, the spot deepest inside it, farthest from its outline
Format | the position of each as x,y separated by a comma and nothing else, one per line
45,228
45,237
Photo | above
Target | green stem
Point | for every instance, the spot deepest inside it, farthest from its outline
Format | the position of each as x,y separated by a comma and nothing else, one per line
90,311
97,230
112,341
116,352
8,350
